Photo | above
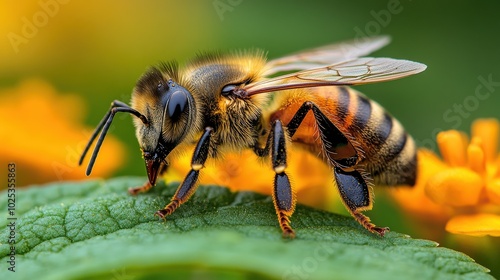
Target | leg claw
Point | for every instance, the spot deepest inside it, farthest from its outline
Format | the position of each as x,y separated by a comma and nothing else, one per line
289,234
162,213
381,231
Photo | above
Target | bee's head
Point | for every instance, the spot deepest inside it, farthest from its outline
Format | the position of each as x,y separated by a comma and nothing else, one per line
170,110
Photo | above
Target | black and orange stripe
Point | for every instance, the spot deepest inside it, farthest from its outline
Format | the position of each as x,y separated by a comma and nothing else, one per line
384,149
389,153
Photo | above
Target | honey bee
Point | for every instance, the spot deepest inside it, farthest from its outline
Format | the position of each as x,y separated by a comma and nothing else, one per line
226,103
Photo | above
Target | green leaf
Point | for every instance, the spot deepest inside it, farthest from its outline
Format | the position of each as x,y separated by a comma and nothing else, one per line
94,229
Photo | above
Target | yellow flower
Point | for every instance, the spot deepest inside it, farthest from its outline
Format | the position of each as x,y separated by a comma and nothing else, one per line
311,182
42,134
463,189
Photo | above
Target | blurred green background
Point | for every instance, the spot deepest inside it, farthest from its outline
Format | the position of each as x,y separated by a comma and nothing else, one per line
99,49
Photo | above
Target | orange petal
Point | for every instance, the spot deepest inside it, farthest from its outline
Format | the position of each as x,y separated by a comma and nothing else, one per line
476,157
487,130
475,225
452,145
493,190
455,187
496,166
35,110
310,177
428,164
414,199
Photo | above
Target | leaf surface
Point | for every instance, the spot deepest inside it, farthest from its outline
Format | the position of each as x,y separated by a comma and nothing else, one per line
94,229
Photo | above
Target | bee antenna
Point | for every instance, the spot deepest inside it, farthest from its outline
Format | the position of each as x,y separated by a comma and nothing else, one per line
116,106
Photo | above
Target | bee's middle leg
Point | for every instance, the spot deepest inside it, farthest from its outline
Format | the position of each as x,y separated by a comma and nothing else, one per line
283,196
188,186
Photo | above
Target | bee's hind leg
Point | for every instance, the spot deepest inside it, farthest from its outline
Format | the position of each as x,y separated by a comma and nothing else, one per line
343,157
356,196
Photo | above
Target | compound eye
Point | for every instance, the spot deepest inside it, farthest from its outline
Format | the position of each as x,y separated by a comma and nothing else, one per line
177,104
228,90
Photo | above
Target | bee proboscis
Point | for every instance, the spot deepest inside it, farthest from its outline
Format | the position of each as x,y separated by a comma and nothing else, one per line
232,102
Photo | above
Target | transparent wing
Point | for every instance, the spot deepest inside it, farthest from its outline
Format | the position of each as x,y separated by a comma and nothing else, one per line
326,55
358,71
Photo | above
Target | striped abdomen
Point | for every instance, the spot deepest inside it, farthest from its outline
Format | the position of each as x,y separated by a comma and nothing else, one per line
385,150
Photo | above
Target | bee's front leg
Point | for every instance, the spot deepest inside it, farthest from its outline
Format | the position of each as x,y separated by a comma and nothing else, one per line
188,186
147,185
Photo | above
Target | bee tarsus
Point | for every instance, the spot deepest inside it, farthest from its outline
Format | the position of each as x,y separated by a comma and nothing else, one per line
284,203
188,186
144,188
169,209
